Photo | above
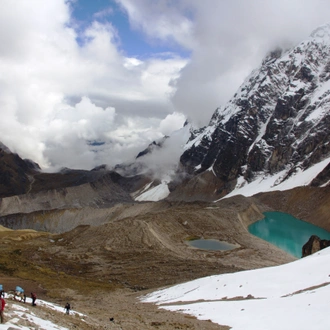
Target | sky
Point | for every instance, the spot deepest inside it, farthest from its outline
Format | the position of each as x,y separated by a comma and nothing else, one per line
85,83
290,296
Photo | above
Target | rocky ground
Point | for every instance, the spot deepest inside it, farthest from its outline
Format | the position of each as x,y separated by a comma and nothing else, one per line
102,270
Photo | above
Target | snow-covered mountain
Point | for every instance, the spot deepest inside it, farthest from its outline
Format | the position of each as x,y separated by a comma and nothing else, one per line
276,125
273,134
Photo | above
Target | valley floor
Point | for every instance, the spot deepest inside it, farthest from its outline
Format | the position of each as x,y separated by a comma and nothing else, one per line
102,270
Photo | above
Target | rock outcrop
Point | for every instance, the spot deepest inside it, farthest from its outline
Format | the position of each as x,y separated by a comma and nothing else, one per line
313,245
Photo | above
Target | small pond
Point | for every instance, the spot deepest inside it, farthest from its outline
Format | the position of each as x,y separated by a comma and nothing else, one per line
211,244
286,232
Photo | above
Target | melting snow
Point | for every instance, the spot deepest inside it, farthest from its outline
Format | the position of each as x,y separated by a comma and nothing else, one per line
154,194
269,183
291,296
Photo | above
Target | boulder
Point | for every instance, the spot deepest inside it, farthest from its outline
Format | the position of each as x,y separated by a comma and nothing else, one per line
313,245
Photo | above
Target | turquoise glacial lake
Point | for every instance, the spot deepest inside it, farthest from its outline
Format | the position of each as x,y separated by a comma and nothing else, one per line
286,232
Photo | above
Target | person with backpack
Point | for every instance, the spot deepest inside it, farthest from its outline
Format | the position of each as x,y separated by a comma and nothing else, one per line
2,308
34,298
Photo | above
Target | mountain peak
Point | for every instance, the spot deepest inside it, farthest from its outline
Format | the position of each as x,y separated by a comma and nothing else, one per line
276,124
322,33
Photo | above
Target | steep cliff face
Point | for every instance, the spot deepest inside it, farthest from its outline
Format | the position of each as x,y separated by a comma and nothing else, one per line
278,121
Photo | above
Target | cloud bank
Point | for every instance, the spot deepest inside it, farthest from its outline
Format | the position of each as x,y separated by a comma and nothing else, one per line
227,40
75,100
70,97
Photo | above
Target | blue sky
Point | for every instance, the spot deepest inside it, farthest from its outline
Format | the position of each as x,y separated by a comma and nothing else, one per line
91,82
131,41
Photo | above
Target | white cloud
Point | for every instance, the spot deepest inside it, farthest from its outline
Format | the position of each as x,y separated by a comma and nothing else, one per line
161,21
164,161
61,86
171,123
57,94
227,39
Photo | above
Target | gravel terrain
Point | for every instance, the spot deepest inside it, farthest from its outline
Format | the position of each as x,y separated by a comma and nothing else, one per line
103,269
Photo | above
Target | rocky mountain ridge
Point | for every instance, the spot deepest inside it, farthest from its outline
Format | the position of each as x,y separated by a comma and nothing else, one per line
25,189
277,121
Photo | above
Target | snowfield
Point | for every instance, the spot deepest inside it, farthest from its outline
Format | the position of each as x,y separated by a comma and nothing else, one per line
266,183
293,296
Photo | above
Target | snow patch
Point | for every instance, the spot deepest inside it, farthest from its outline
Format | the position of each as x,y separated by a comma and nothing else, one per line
154,194
17,315
266,183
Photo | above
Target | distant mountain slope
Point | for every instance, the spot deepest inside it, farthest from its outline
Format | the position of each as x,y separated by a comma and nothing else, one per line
278,121
15,173
24,188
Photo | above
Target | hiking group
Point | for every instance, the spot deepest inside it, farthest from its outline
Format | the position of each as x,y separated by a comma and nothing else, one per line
19,293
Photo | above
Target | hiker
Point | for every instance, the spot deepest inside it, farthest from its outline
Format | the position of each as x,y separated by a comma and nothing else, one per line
67,308
18,293
24,298
34,297
2,308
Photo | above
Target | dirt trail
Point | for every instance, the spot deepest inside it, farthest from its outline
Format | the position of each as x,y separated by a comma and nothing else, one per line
130,314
